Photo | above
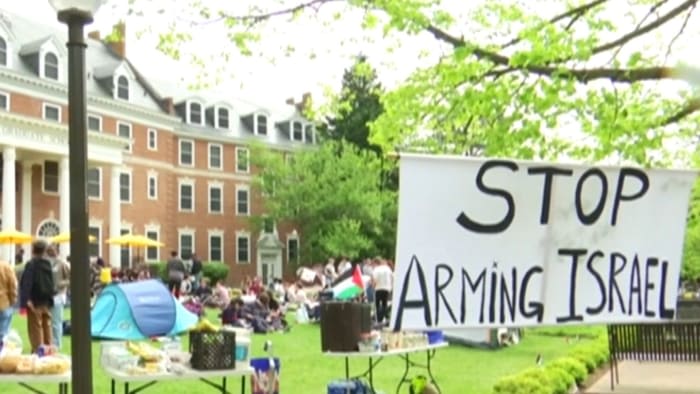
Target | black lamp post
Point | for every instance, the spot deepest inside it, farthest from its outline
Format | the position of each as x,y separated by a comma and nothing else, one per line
76,14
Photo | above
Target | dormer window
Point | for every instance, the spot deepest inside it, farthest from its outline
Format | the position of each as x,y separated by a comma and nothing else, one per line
222,118
123,87
261,125
297,131
51,66
309,134
194,112
3,52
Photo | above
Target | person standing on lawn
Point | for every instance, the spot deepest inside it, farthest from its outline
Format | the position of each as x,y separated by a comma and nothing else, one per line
61,274
196,271
37,290
8,297
176,274
382,281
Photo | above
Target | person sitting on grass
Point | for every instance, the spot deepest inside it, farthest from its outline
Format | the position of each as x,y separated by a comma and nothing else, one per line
277,319
233,315
220,297
257,313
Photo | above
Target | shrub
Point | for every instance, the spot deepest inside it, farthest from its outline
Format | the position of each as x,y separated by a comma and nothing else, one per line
215,271
560,380
519,384
572,366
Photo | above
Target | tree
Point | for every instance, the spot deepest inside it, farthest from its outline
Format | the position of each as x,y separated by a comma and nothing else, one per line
564,78
333,196
358,106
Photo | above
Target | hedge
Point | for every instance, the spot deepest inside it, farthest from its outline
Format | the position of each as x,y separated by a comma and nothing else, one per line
560,375
212,270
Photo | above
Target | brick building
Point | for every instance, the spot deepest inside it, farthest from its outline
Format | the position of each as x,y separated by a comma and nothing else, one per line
165,162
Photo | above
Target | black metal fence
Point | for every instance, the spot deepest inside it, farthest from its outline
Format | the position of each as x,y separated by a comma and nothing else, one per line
677,341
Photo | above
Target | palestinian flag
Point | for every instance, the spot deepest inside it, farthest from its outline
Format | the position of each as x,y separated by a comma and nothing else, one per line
349,285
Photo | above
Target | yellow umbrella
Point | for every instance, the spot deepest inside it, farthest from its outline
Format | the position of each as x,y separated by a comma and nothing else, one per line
134,240
14,237
65,237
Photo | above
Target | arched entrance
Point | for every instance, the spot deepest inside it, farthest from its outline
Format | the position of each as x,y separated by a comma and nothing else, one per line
48,228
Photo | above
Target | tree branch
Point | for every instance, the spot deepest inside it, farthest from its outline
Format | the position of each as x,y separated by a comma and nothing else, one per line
680,31
688,4
690,107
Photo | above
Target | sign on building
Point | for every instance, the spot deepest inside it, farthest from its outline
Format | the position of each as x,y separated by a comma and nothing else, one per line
499,243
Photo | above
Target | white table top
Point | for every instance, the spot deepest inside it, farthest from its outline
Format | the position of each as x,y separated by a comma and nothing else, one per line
35,378
393,352
187,374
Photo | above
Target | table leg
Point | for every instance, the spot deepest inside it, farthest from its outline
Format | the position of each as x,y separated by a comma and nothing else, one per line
114,386
406,367
223,385
126,388
371,373
347,368
243,384
430,355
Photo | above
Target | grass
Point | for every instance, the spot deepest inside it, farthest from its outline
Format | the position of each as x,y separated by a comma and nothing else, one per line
304,370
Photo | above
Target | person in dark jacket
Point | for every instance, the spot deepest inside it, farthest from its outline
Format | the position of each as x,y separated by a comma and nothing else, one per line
176,273
36,296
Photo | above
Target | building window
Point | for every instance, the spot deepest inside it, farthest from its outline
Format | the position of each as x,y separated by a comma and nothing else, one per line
3,52
268,225
187,153
122,88
125,251
94,246
186,244
292,250
51,112
297,131
242,160
152,187
222,118
4,101
261,125
195,112
152,252
216,244
187,196
215,156
152,139
242,202
216,199
94,123
309,134
51,66
125,187
94,183
124,131
50,176
242,248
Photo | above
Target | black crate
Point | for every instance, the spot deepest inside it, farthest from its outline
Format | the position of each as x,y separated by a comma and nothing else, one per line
213,350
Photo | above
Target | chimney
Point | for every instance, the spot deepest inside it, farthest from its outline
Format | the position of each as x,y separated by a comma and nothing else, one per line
95,35
290,101
118,43
168,105
305,102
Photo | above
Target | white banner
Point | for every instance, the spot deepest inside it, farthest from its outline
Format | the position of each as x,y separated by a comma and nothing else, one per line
498,243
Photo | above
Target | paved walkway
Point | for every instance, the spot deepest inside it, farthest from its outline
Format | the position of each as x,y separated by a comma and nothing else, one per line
651,378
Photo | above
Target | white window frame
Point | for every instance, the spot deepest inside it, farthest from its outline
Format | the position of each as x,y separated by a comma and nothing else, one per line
116,87
152,228
58,109
185,231
238,160
152,132
152,175
267,124
220,234
128,172
180,184
201,112
313,132
179,152
220,186
245,188
8,49
99,172
293,237
7,101
131,134
98,241
129,228
42,65
292,123
43,178
221,155
99,119
246,235
216,117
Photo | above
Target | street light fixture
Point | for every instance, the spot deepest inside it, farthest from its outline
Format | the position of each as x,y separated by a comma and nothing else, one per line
76,14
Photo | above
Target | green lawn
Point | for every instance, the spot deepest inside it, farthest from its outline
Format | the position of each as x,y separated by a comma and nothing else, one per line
306,371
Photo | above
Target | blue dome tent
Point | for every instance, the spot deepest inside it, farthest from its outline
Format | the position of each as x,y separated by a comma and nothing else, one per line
139,310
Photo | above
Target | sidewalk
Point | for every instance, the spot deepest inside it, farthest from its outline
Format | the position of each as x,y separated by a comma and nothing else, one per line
651,378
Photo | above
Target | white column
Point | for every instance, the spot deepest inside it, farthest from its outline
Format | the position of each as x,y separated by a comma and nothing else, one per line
27,203
9,155
115,216
64,202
